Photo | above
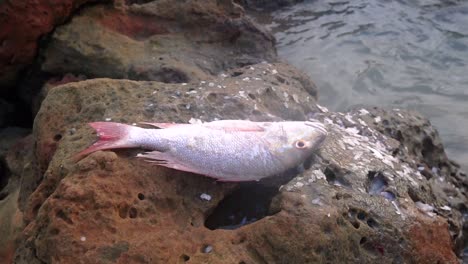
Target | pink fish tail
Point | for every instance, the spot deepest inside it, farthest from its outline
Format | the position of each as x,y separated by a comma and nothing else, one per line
111,136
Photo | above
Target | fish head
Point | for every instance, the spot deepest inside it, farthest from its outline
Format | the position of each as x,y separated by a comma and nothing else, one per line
298,140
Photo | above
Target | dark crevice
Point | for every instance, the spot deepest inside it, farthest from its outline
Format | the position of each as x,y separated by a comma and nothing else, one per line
31,79
236,73
4,177
336,176
377,184
249,203
184,258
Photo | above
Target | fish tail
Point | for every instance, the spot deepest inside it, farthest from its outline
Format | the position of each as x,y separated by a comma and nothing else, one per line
111,136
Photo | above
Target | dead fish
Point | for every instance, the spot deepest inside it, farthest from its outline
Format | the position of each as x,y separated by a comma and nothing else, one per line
228,150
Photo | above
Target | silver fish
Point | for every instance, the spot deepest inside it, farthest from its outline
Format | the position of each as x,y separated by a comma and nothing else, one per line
228,150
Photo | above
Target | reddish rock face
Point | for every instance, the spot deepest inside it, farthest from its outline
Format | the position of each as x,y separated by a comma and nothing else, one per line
431,241
23,23
131,25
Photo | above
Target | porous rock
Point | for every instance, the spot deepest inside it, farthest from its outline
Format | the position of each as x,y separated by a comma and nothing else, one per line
108,197
168,41
355,201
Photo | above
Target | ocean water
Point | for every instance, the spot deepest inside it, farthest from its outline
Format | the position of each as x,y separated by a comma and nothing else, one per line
394,54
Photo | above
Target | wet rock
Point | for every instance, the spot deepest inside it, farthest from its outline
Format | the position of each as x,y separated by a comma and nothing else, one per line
104,186
355,201
419,142
23,23
167,41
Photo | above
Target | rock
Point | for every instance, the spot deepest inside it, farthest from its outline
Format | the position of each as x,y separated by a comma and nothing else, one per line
6,109
11,223
23,23
421,145
10,226
60,130
9,136
10,173
168,41
355,201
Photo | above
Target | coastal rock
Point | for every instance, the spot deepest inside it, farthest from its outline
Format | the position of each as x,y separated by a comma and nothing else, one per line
167,41
23,23
355,201
13,155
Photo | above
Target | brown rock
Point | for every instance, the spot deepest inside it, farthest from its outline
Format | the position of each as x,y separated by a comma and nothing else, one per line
168,41
353,202
23,23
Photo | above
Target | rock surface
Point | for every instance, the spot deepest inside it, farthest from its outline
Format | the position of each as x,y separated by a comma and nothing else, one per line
353,202
23,23
168,41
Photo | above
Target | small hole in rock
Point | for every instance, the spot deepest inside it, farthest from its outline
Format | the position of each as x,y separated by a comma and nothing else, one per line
57,137
132,213
352,212
246,205
252,96
413,194
54,231
280,79
141,196
4,179
372,223
62,215
361,215
363,240
335,176
355,224
184,258
235,74
330,175
123,209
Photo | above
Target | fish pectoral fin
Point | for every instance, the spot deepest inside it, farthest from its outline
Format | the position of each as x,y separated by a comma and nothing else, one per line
235,125
167,160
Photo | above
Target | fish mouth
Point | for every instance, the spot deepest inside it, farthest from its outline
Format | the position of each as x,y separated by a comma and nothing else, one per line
319,126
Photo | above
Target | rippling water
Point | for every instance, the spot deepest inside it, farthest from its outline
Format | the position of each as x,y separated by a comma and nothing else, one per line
396,54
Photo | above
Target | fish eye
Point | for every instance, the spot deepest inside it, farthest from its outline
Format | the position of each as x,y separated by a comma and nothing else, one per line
300,144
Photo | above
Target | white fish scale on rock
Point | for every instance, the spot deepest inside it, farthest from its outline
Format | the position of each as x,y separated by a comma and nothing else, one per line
228,150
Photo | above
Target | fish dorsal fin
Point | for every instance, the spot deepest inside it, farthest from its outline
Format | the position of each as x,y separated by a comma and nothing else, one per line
226,125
